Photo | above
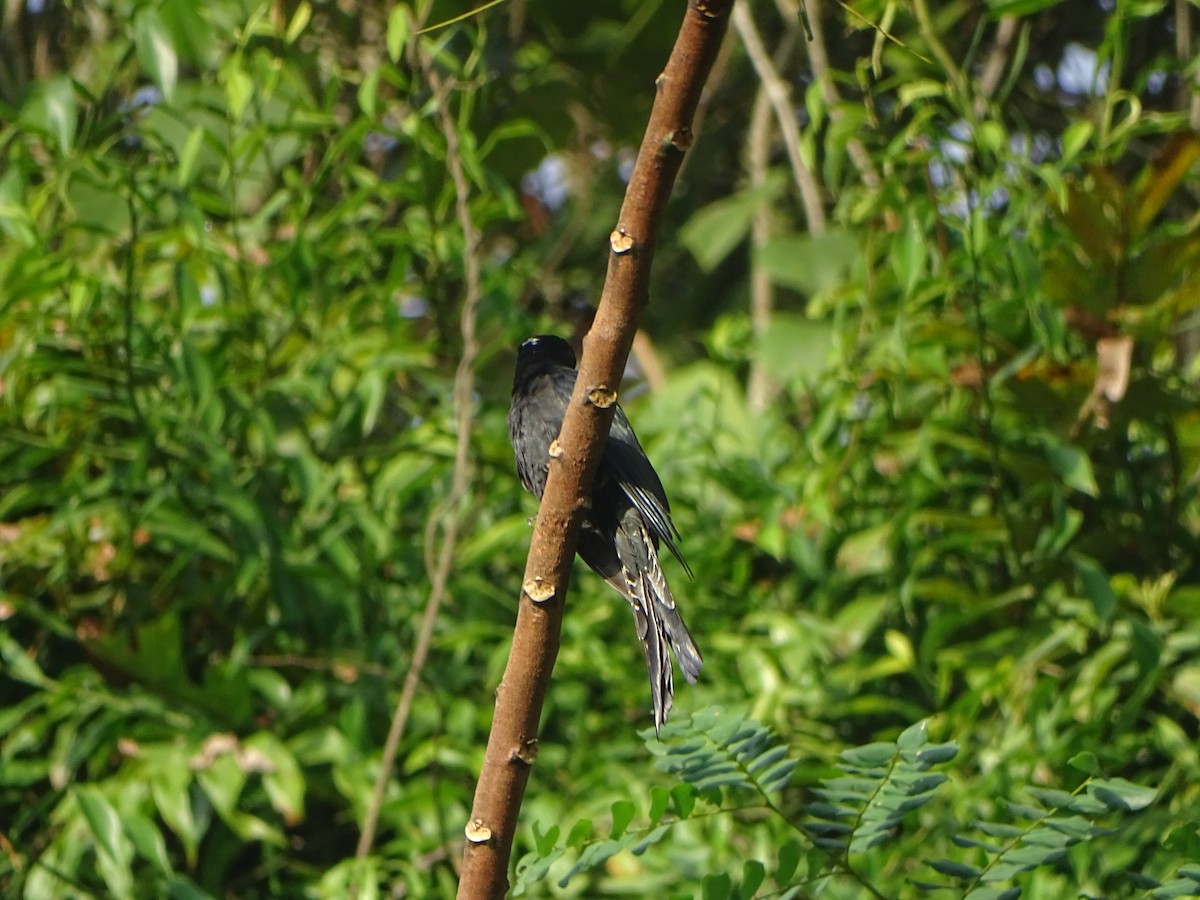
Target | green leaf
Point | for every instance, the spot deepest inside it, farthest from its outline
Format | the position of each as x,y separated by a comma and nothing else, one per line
809,263
795,347
148,841
51,107
156,51
545,841
955,869
1120,794
992,893
713,232
660,798
581,831
300,20
1072,465
239,88
1000,8
1075,138
716,887
653,837
787,860
684,797
622,815
868,552
283,779
935,754
103,820
397,31
368,91
1176,887
870,756
913,738
909,254
189,157
1096,587
754,873
1085,761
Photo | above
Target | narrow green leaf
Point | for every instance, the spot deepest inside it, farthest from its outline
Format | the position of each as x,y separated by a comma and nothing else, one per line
1072,465
103,821
660,798
300,20
156,51
935,754
397,31
1075,138
684,797
955,869
870,756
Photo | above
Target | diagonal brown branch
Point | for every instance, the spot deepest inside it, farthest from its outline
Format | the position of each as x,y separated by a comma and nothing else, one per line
512,745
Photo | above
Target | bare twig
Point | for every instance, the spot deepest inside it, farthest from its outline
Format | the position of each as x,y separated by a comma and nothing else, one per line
993,66
758,150
1183,50
818,57
512,744
954,73
649,361
448,515
780,94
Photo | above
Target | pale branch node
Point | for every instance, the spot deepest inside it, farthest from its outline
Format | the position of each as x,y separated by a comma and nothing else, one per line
620,241
477,832
602,397
527,752
538,590
680,139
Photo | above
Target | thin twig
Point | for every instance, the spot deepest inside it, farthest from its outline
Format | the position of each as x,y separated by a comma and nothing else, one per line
780,96
993,66
1183,50
954,73
818,58
649,361
758,148
448,515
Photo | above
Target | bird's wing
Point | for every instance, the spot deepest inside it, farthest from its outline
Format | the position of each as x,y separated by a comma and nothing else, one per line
633,471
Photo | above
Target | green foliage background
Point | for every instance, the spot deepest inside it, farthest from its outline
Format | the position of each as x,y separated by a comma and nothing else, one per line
230,285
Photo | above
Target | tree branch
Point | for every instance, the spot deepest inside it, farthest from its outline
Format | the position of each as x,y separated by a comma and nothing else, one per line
512,745
779,93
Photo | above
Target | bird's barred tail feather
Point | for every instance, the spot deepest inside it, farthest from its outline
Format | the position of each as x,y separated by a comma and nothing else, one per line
687,654
659,625
654,638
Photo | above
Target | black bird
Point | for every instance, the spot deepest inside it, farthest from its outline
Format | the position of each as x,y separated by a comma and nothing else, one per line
628,516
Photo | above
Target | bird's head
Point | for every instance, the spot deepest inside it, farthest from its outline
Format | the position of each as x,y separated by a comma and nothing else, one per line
538,354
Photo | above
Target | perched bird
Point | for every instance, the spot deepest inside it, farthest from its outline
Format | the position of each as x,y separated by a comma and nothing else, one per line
628,516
